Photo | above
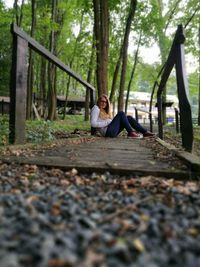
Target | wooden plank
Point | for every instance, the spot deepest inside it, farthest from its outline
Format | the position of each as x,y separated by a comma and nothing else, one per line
96,150
18,91
88,167
189,159
85,157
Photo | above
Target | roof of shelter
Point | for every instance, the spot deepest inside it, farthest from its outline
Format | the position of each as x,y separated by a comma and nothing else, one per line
144,96
5,99
71,98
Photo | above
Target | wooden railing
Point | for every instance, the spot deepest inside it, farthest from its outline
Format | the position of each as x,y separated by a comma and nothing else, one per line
176,58
176,116
18,80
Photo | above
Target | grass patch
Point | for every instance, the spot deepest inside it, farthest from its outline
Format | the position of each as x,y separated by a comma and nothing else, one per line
44,131
4,130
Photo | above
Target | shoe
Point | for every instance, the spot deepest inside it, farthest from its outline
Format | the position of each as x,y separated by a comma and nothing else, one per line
134,135
149,134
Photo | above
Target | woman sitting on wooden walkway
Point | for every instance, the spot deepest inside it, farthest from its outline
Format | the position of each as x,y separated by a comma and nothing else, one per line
102,121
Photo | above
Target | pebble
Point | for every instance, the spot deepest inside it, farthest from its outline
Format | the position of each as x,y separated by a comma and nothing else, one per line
53,220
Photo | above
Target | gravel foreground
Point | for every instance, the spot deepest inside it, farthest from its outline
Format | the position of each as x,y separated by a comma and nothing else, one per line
53,218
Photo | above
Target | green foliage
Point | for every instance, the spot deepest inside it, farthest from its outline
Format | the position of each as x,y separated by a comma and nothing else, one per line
39,131
43,131
4,130
151,19
5,49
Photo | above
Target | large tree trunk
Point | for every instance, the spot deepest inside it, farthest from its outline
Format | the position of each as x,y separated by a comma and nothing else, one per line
124,54
30,65
132,73
101,26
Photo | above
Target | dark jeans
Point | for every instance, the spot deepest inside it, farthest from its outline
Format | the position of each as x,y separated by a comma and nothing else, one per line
120,122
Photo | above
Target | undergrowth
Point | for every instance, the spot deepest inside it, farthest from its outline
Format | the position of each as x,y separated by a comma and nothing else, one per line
42,131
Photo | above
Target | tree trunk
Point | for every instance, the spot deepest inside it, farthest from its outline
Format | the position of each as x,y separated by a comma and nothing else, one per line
124,54
57,17
15,7
89,78
132,73
162,46
115,75
18,13
101,26
42,102
30,65
71,63
199,77
21,13
42,92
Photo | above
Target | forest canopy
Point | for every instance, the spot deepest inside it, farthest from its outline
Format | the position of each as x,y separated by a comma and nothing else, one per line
101,39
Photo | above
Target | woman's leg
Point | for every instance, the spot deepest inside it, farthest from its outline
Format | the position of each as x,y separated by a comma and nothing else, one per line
135,125
119,123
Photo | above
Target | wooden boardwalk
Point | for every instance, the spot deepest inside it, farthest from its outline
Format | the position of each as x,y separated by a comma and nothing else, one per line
116,155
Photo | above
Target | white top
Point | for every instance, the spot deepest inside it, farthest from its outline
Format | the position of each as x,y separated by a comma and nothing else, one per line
98,123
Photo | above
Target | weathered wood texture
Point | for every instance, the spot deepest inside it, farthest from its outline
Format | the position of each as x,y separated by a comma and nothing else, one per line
191,160
176,58
117,155
184,104
18,91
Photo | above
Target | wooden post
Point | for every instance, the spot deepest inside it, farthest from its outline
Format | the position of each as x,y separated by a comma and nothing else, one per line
136,114
92,98
184,105
177,120
160,117
151,121
18,90
92,103
2,107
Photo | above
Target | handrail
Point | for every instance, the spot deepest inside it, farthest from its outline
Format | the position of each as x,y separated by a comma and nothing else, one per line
48,55
176,57
144,111
18,80
176,111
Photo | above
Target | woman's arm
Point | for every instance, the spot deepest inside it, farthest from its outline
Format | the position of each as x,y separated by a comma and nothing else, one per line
94,119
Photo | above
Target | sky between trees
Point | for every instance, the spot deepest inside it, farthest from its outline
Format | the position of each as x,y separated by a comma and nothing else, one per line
149,55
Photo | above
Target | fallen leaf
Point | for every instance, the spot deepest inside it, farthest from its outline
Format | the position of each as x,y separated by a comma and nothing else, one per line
30,199
193,231
55,210
59,263
138,245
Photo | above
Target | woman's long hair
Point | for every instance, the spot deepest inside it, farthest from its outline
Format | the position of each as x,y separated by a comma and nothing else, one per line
108,107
